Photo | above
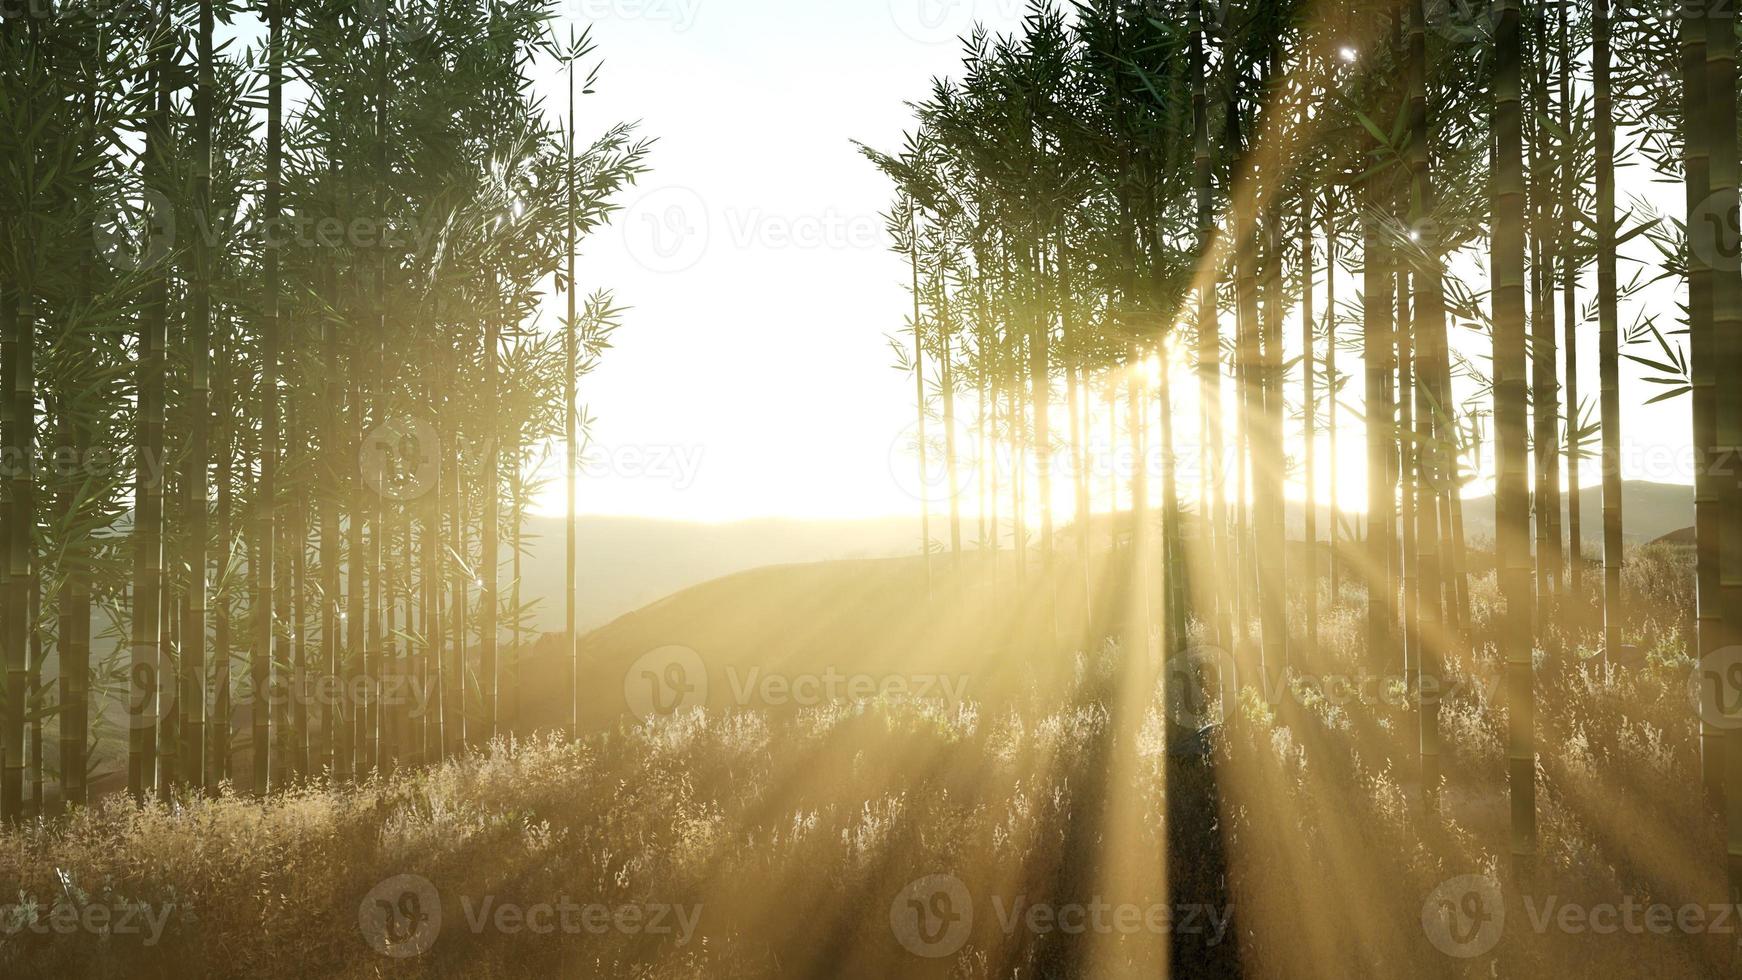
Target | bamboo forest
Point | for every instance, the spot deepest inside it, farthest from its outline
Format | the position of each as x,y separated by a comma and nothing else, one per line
877,488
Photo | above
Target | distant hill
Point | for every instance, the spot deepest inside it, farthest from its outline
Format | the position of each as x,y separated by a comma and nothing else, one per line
774,637
1648,512
627,562
1682,536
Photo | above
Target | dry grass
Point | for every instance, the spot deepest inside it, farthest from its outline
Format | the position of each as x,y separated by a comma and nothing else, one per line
790,838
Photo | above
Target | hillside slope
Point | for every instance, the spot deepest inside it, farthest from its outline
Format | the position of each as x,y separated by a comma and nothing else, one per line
1648,511
724,642
789,636
627,562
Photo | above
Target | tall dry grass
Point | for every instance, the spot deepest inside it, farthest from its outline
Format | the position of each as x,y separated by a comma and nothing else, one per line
791,839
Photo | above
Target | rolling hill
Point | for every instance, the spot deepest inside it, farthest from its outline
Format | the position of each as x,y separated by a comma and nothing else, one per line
627,563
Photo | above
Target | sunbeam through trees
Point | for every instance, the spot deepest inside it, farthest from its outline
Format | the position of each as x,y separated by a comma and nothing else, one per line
1252,566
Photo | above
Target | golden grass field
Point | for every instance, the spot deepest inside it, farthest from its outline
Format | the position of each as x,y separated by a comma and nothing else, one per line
814,836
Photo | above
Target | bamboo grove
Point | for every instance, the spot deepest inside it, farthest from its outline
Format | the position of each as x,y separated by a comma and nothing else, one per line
274,381
1119,189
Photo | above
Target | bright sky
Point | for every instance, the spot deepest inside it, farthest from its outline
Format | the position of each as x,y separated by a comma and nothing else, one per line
752,377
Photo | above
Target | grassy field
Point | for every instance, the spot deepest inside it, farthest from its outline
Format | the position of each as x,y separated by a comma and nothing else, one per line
1019,826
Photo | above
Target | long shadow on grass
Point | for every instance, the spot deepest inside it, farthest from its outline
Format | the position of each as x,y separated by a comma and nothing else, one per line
1194,864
